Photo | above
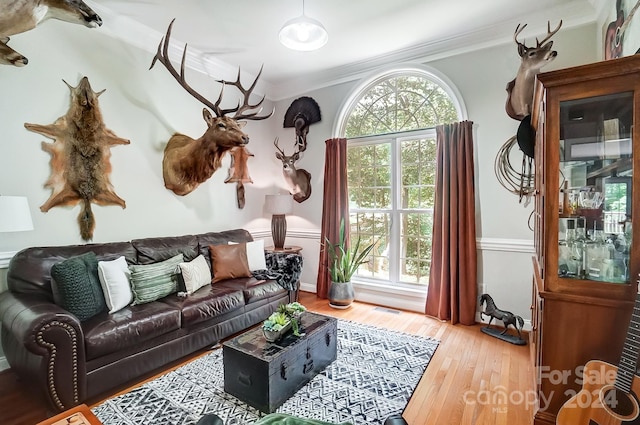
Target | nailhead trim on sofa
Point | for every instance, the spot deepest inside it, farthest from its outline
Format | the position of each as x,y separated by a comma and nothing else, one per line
52,360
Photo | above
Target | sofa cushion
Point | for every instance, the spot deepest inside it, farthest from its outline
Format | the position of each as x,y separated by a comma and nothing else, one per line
229,262
254,289
220,238
206,303
153,250
30,270
78,287
195,274
255,254
150,282
114,278
129,327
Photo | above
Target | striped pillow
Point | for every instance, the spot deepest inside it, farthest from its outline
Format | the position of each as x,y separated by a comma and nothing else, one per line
150,282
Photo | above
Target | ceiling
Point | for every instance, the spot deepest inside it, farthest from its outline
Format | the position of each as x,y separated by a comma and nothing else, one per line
363,34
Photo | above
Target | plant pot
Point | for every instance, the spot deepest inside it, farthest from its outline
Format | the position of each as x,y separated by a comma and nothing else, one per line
273,336
341,295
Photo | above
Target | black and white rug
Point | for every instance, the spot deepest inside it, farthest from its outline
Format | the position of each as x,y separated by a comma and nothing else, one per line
373,377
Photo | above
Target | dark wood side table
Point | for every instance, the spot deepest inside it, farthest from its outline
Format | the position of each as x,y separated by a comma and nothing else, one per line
287,249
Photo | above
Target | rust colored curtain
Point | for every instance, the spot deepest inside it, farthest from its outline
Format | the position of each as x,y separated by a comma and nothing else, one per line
453,289
335,205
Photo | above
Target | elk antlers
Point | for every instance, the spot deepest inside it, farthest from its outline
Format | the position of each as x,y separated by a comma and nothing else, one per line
162,55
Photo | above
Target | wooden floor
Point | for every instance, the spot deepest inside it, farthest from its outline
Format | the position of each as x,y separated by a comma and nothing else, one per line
472,378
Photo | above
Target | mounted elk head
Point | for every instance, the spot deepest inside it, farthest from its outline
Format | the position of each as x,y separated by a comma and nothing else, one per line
188,162
24,15
299,180
520,89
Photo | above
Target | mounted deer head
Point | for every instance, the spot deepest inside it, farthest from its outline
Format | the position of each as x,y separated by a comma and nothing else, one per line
299,180
24,15
188,162
520,90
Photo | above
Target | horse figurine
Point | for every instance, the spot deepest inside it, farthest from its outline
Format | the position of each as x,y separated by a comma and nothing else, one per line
506,317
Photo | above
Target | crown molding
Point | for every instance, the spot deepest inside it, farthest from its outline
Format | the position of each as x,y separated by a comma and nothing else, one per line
571,14
141,36
131,32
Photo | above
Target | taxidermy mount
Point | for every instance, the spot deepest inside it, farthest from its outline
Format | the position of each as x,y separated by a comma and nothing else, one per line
298,179
17,16
302,112
80,155
189,162
239,172
520,89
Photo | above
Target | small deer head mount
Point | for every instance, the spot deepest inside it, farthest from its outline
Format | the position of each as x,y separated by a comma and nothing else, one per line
298,179
520,89
188,162
24,15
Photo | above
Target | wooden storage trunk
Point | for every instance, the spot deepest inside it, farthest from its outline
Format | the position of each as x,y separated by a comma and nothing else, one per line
264,375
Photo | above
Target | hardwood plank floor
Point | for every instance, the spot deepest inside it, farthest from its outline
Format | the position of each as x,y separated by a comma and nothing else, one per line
472,378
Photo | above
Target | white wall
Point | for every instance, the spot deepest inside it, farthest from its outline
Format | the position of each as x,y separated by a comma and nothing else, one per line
148,106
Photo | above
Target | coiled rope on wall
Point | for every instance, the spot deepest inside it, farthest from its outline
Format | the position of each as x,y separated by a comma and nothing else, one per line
519,183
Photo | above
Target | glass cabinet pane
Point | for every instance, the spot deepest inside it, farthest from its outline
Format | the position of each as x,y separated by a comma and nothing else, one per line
595,173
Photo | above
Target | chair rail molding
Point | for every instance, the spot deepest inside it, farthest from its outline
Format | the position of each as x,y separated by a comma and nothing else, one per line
5,257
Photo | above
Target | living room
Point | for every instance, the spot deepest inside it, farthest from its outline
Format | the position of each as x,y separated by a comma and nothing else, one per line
148,106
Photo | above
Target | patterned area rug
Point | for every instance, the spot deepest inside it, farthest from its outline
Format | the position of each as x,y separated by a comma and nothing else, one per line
373,377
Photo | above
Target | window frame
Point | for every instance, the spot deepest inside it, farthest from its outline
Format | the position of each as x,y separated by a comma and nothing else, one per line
394,285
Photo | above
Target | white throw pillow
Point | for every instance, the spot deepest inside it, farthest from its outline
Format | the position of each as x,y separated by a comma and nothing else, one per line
114,278
196,274
255,255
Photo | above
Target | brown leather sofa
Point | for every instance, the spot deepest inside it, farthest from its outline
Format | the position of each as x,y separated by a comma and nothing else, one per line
71,361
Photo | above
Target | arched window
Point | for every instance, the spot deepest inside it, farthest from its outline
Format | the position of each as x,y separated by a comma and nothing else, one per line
389,121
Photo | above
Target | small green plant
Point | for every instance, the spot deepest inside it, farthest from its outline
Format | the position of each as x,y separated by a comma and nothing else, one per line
344,261
286,313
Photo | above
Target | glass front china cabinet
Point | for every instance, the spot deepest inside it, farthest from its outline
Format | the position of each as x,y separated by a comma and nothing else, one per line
586,232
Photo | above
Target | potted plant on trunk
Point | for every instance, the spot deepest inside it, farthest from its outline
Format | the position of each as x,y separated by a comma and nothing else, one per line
344,261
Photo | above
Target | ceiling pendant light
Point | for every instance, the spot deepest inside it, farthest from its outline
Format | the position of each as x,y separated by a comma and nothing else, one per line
303,33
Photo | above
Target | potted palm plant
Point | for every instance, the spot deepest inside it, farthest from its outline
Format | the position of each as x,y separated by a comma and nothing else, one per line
344,261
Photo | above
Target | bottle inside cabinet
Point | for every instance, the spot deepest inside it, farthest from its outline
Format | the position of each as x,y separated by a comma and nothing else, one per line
595,177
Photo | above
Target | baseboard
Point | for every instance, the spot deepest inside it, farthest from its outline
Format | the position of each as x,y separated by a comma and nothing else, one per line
4,364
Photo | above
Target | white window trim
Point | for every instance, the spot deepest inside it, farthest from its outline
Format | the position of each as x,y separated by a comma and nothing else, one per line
420,70
339,130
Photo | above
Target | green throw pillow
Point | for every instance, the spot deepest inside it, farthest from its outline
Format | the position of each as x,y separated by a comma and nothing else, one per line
150,282
78,286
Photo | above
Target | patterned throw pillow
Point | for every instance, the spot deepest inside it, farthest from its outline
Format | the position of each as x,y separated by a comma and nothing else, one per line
78,286
196,274
150,282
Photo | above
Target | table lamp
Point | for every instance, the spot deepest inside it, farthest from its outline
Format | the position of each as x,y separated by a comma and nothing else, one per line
14,214
278,206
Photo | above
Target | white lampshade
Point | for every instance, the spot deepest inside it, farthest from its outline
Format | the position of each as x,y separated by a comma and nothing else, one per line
15,215
278,204
303,33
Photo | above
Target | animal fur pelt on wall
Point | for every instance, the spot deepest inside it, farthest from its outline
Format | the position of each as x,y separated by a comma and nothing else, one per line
80,155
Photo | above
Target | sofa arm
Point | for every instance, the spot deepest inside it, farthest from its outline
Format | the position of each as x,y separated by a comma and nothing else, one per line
44,345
